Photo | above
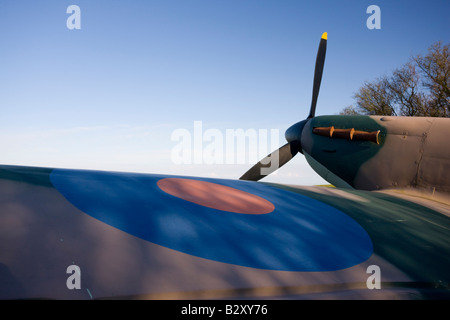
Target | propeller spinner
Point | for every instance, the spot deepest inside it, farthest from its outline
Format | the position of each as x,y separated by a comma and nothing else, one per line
293,135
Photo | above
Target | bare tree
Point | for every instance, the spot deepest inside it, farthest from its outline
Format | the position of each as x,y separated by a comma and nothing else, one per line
419,88
375,98
349,111
436,69
404,88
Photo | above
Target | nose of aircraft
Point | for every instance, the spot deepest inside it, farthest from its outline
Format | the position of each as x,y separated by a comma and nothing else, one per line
294,133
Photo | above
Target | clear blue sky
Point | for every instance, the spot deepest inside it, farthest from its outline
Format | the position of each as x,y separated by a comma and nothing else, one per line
108,96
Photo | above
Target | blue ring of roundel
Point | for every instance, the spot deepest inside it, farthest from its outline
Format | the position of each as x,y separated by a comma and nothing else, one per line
301,234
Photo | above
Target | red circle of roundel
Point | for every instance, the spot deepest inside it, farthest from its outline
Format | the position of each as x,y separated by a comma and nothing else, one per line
215,196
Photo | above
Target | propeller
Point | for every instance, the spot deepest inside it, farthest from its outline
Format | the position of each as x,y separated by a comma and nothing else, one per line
281,156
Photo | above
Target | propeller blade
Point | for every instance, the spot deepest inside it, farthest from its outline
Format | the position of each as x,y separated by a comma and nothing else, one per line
320,61
272,162
293,135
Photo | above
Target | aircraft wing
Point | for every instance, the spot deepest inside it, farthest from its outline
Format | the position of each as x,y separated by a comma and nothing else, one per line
80,234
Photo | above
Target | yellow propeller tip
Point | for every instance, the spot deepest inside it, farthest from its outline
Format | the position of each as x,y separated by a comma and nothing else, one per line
324,36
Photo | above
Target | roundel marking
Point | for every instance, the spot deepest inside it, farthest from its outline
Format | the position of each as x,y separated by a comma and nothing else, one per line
300,234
